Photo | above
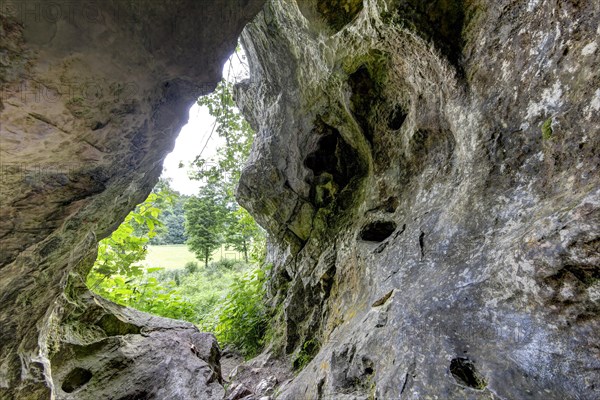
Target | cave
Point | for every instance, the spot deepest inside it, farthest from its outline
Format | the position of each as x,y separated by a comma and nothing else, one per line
472,125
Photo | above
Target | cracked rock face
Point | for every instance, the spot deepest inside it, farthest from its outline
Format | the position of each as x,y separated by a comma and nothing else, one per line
428,172
109,352
93,95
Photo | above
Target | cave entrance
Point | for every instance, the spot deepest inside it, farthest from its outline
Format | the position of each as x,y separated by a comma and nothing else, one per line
189,251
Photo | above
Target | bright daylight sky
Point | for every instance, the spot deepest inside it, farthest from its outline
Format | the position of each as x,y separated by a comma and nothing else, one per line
195,135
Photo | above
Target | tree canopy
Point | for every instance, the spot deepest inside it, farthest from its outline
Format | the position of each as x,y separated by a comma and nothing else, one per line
214,217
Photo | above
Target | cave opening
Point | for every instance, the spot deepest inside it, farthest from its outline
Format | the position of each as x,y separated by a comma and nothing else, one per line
190,251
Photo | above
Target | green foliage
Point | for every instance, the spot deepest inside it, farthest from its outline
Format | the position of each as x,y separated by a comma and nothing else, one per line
191,267
241,231
172,216
205,216
222,174
547,129
148,294
258,251
207,287
224,297
242,318
224,264
120,253
226,169
118,275
309,349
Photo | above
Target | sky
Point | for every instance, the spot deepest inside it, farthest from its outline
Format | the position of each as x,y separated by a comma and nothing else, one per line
190,141
196,134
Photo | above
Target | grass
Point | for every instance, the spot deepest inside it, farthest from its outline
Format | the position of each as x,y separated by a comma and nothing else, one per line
175,256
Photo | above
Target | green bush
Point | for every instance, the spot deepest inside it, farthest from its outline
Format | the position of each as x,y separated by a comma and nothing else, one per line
191,267
224,266
241,320
145,293
309,349
225,263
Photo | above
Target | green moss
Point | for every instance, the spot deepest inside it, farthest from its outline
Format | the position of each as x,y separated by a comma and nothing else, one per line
547,129
309,350
275,333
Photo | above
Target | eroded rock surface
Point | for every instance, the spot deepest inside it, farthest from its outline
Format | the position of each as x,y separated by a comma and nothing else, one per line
93,95
104,351
428,172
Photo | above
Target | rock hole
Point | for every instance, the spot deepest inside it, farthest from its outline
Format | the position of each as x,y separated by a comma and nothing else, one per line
113,326
327,282
137,396
320,388
391,204
584,273
465,374
422,243
377,231
76,379
98,125
383,299
441,21
339,13
365,93
396,118
334,163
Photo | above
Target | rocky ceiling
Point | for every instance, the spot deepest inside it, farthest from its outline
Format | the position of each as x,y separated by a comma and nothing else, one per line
427,171
93,97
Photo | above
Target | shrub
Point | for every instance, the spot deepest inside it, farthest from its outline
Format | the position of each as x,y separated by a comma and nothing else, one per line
241,320
225,263
191,267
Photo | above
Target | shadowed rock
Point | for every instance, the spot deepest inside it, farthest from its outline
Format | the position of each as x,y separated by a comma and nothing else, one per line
93,95
469,130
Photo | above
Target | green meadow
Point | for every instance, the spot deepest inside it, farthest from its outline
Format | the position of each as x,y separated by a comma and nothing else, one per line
175,256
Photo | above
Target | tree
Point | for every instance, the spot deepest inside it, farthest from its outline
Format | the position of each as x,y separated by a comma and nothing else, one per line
230,124
205,222
171,204
118,274
173,219
223,172
241,231
121,252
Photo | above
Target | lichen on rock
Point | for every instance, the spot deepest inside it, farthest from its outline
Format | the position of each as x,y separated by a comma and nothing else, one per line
411,131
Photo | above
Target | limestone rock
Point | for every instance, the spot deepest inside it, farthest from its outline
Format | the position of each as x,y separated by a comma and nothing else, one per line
93,95
239,392
428,172
266,386
110,351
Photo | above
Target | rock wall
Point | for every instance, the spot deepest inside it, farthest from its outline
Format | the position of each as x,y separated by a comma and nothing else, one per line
428,172
93,95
